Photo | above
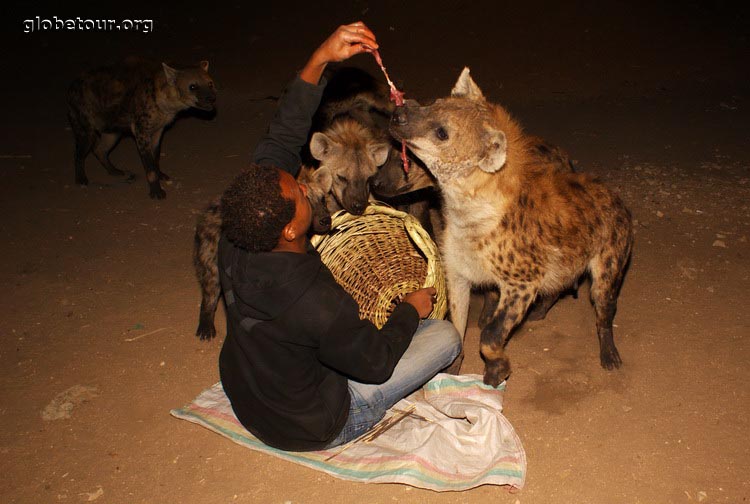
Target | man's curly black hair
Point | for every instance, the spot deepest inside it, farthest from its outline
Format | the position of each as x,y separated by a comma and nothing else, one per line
253,211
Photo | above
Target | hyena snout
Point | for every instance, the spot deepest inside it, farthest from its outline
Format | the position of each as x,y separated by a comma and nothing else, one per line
402,120
206,101
355,198
400,117
324,223
358,208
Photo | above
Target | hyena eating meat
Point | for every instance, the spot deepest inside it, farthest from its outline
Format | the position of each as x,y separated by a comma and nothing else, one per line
136,97
393,183
392,180
396,185
509,223
208,232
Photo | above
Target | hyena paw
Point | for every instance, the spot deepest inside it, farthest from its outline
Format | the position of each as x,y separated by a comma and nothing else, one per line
610,358
163,176
206,331
82,180
495,373
157,193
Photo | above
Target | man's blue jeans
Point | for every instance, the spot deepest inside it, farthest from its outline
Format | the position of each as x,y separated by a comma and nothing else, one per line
434,347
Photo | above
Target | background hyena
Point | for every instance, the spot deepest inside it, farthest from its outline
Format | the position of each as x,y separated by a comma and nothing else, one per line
208,232
510,223
136,97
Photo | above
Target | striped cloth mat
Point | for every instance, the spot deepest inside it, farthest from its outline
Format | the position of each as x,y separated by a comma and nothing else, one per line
466,441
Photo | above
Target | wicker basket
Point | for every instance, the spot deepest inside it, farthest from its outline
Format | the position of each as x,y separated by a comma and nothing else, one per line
379,257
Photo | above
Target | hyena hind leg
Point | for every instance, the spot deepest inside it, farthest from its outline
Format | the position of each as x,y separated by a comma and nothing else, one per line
205,260
510,311
489,307
605,285
104,146
84,141
541,306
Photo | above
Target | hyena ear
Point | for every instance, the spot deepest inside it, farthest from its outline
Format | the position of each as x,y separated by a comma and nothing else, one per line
171,74
322,178
204,65
495,153
465,87
379,153
320,145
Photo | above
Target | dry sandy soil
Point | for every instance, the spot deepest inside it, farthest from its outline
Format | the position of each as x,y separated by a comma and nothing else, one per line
99,298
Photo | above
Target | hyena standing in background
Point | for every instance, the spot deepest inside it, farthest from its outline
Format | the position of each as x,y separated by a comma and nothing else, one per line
509,223
208,233
136,97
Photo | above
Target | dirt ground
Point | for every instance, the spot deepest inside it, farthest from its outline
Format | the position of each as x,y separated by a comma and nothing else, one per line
100,301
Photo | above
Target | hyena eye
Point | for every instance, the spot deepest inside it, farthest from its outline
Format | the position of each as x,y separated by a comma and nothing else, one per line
342,178
441,133
193,87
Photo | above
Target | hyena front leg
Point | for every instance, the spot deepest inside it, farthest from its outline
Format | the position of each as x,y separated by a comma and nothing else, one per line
104,146
459,294
156,141
510,311
148,148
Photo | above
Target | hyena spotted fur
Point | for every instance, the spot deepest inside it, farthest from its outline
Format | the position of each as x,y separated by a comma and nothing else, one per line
509,223
208,232
393,183
135,97
352,153
392,180
417,188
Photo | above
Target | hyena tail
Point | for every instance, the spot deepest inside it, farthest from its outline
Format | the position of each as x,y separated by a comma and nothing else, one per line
205,260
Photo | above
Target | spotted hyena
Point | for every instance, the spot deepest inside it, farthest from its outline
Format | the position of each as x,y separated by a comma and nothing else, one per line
395,184
208,232
135,97
393,181
352,153
510,223
350,135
